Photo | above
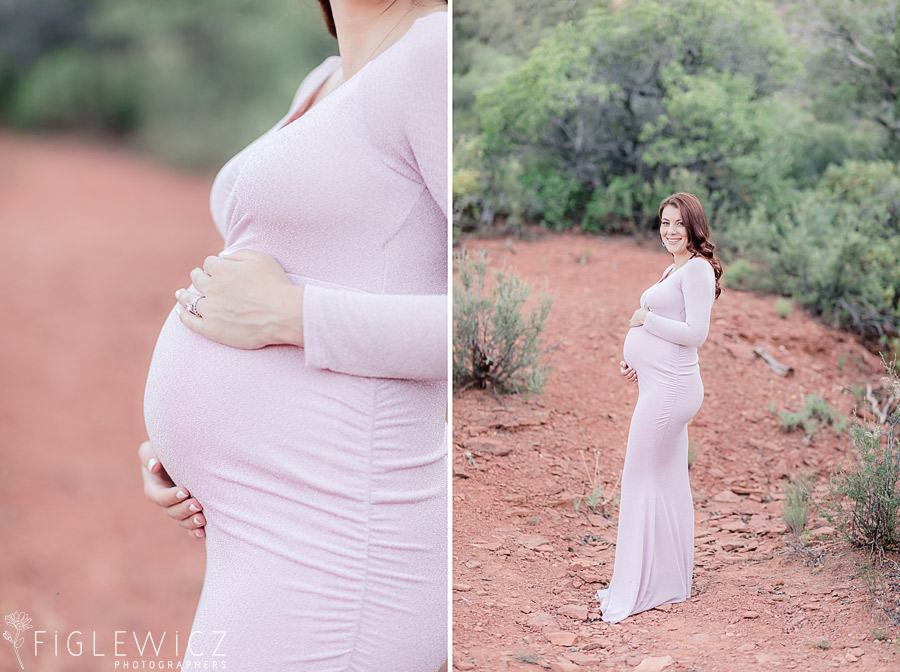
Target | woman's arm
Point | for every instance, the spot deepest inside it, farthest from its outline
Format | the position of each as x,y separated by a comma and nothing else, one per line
698,284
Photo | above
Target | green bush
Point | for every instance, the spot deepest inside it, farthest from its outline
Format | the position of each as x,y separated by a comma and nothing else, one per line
864,499
835,250
815,413
495,341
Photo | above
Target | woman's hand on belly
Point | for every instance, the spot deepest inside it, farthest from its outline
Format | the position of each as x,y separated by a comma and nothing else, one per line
245,300
175,501
637,320
629,373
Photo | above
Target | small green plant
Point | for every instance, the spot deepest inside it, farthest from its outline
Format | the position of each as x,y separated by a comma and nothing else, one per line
783,307
797,503
864,499
772,408
880,634
842,362
533,520
694,450
815,413
528,657
823,644
593,500
495,342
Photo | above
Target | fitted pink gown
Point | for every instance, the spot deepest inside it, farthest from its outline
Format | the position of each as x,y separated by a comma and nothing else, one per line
655,540
323,469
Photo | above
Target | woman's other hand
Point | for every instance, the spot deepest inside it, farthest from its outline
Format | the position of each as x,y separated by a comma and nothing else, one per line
629,373
175,501
245,300
638,318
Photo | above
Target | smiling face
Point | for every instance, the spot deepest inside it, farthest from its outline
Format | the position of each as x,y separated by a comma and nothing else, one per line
673,232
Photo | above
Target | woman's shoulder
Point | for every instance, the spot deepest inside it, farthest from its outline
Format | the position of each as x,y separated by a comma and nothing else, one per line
699,266
422,47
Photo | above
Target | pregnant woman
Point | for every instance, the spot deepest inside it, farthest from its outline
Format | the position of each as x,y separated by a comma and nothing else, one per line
297,393
655,541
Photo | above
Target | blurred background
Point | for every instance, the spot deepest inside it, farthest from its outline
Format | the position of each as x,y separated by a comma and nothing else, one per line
114,117
782,116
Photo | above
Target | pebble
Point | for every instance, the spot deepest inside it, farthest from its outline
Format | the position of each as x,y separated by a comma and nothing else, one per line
463,665
751,614
462,587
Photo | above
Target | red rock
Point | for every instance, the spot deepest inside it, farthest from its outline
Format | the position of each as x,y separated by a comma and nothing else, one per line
564,666
463,665
531,541
576,611
462,587
488,448
750,614
542,620
824,531
598,521
655,664
544,548
727,496
561,638
732,525
584,658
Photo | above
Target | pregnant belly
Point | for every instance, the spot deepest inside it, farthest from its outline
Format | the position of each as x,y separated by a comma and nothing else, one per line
647,353
223,419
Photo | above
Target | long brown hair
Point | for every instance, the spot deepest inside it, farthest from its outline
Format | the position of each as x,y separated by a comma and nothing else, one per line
694,219
328,15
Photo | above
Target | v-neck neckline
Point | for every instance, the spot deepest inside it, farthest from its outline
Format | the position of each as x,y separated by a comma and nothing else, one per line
304,105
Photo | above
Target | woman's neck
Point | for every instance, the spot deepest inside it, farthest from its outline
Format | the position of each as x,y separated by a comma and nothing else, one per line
682,258
365,28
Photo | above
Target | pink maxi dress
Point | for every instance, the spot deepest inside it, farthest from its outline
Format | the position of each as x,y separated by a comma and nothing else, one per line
323,470
655,540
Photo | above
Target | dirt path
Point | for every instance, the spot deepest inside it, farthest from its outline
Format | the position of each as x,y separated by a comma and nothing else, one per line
95,241
526,562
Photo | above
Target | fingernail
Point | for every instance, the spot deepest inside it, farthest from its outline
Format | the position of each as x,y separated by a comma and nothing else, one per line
198,520
193,507
199,534
181,494
151,464
177,293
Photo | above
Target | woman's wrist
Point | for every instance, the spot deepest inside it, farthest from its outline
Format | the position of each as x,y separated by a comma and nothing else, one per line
286,327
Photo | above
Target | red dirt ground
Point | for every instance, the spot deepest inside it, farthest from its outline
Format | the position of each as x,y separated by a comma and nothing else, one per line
95,241
526,563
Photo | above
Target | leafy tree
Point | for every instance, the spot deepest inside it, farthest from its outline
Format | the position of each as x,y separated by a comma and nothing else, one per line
862,61
642,90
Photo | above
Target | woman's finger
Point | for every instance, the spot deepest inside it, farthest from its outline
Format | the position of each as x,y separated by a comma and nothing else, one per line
161,494
198,533
200,280
210,263
185,296
185,509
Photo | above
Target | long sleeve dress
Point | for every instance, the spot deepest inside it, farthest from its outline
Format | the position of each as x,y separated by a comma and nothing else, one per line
323,469
655,540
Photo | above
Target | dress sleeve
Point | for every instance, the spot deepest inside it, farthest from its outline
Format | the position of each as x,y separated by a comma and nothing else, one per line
698,284
395,335
376,335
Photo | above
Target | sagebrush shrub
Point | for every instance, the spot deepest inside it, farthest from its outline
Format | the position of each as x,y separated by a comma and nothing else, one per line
864,498
495,340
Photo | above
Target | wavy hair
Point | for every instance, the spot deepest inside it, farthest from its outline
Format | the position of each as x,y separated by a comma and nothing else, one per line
694,219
